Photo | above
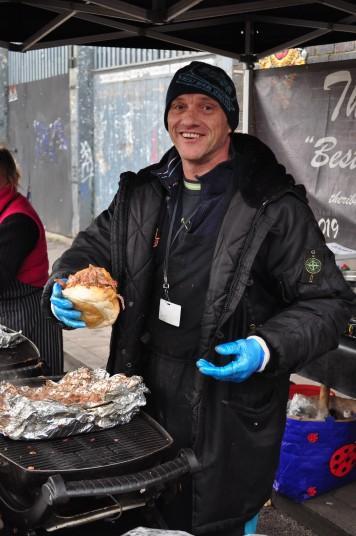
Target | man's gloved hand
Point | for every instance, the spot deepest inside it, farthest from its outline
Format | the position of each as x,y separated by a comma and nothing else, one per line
248,356
63,309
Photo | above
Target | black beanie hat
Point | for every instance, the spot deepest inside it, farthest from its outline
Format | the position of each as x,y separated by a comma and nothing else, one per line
199,77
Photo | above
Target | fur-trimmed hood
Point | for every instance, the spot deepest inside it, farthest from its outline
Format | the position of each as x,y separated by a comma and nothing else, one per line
260,175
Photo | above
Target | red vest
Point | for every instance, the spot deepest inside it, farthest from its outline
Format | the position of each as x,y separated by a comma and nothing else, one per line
34,269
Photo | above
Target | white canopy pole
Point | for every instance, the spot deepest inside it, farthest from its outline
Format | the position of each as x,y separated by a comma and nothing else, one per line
248,80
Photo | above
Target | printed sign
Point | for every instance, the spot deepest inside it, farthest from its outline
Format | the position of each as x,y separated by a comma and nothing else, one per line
306,115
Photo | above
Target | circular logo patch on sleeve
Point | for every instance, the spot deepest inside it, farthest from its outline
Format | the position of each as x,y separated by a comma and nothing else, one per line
312,265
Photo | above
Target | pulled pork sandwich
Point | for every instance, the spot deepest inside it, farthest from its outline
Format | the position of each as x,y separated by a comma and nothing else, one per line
93,292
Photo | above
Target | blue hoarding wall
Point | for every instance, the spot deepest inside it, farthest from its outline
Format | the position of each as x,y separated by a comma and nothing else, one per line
129,132
128,125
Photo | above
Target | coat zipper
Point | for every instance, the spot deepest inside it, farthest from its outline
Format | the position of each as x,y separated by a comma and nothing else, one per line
243,253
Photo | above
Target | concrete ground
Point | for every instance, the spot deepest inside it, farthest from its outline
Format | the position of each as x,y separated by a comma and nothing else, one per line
332,514
273,522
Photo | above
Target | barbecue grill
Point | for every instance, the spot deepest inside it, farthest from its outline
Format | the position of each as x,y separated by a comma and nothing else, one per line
50,485
23,360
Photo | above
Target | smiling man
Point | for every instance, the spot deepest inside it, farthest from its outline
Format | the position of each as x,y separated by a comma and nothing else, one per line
200,132
229,288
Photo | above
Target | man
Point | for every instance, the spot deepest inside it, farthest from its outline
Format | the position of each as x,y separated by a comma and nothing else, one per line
219,258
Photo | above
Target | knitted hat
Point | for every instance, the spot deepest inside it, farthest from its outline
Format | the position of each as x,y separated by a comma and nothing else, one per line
199,77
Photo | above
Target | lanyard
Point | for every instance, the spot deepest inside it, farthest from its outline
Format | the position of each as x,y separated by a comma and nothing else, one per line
170,242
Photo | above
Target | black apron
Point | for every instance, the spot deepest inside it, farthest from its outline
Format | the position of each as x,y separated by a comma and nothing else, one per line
20,309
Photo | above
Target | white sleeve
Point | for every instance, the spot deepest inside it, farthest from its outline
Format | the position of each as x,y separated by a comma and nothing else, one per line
265,348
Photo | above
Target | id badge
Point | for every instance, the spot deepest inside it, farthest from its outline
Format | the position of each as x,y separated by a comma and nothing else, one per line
169,312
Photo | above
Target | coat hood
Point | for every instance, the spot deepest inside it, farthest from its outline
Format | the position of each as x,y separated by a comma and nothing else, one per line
261,177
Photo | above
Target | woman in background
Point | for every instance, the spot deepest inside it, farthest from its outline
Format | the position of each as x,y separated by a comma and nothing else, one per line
24,267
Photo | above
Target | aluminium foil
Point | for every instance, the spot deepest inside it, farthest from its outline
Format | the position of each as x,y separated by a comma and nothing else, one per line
10,338
84,400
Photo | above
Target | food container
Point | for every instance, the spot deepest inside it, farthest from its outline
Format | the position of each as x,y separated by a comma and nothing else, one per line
350,277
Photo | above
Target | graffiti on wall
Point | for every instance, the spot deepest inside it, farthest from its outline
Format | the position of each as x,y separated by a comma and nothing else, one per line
86,163
129,133
50,139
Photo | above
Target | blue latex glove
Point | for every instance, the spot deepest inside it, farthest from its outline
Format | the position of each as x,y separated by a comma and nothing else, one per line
63,309
251,526
247,355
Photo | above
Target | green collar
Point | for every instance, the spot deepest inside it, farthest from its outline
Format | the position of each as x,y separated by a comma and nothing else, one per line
192,185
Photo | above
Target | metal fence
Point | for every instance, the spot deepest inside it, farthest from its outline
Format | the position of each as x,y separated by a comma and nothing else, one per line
106,57
45,63
37,64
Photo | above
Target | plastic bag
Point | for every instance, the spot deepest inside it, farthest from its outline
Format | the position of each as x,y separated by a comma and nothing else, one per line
303,406
316,457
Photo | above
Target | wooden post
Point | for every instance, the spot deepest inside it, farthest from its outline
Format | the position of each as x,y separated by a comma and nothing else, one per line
324,401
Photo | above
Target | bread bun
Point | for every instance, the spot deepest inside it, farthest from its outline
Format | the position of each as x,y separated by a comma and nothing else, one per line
99,305
93,292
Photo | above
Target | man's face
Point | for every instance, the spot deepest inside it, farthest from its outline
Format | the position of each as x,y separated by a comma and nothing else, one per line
199,129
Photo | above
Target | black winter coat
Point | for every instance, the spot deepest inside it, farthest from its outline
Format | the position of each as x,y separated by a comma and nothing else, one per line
272,275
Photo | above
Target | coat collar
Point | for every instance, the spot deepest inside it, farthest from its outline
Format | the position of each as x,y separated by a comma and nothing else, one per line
260,176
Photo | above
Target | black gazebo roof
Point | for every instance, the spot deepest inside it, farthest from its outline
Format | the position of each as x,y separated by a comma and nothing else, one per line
226,27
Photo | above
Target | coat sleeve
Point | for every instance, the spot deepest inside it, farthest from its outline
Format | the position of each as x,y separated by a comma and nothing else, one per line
316,299
92,246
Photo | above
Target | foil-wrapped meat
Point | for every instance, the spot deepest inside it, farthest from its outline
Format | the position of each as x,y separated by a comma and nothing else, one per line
83,400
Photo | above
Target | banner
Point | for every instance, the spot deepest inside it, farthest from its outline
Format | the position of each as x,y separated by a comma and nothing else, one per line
306,115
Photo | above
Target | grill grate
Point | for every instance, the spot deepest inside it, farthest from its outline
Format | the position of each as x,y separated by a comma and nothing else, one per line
130,442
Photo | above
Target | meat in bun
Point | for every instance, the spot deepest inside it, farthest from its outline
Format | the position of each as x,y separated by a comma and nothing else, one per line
93,292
